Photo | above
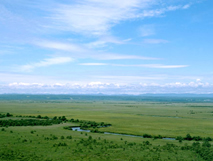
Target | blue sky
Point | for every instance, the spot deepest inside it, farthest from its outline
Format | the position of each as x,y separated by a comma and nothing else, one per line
111,47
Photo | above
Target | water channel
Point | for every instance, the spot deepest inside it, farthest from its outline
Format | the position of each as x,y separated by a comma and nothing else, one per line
81,130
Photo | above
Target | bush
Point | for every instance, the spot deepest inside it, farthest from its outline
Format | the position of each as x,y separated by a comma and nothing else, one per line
67,128
63,118
147,136
158,137
188,137
69,137
207,139
46,117
8,115
179,138
39,116
59,144
197,138
146,143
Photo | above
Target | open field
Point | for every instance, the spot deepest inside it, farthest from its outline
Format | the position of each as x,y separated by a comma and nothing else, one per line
168,119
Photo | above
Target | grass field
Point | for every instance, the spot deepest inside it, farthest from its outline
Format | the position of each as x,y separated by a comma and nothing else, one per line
166,119
129,117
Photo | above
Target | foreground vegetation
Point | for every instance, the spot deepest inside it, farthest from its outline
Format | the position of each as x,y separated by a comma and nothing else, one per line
189,123
55,143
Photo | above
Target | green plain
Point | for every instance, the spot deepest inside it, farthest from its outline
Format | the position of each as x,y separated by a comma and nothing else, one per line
128,117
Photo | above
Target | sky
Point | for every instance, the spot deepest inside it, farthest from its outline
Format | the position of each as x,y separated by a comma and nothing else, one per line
109,47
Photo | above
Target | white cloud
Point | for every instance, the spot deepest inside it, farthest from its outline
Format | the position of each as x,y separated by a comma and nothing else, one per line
97,84
46,62
107,88
186,6
198,80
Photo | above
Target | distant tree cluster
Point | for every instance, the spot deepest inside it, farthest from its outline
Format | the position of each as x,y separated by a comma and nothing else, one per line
89,124
195,138
5,115
28,122
36,121
38,117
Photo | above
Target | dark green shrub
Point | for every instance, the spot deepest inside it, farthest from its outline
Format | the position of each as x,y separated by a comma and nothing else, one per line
197,138
147,136
179,138
69,137
207,139
188,137
8,115
39,116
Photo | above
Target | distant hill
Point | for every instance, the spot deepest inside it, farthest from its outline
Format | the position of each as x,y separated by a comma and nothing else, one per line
102,97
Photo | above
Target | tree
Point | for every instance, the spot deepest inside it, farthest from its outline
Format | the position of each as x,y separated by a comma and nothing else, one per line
8,115
39,116
188,137
63,118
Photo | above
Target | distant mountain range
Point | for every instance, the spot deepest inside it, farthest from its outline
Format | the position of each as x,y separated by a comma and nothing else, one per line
102,97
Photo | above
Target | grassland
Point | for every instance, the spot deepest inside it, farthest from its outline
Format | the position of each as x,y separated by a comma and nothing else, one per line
130,117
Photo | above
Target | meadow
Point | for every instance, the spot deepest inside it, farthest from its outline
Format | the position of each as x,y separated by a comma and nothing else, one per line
166,117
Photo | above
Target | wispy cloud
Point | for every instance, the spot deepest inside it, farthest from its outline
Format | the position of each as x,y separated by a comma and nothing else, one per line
129,79
111,56
96,17
93,64
93,17
46,62
164,66
139,65
161,11
147,30
186,6
87,17
83,51
103,41
59,46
